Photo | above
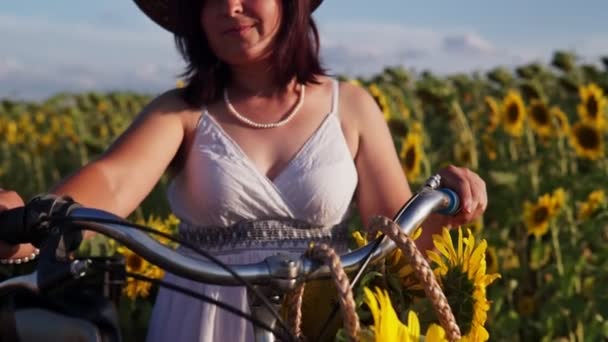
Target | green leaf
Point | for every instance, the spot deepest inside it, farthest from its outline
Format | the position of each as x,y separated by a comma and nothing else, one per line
503,177
540,254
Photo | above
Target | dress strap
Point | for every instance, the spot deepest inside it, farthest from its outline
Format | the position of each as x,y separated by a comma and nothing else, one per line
335,97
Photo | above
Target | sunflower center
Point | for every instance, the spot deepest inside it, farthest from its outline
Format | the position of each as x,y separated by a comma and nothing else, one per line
540,214
512,112
540,115
410,158
588,137
459,291
134,262
592,107
465,156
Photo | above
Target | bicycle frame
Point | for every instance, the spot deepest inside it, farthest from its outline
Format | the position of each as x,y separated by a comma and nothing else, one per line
276,275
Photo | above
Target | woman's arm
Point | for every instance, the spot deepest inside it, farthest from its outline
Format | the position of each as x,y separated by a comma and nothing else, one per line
383,187
125,174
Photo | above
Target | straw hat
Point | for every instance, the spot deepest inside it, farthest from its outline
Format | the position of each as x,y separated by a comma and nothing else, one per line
158,11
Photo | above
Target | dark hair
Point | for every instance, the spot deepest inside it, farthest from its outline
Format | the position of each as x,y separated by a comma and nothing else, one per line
295,54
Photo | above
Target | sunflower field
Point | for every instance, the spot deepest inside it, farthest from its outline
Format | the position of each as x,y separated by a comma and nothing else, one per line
531,269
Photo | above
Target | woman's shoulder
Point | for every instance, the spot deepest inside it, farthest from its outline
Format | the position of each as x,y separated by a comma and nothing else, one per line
171,101
358,104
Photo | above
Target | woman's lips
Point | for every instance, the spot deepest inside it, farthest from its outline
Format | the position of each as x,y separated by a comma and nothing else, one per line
238,30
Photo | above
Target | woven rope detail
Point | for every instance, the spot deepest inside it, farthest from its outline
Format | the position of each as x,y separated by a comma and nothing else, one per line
327,255
423,271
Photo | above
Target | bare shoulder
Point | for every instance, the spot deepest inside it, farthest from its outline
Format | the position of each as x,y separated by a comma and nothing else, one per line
166,115
359,106
171,103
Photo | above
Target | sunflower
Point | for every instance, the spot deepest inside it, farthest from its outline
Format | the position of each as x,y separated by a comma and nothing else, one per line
396,262
394,259
560,121
493,113
102,106
594,200
540,118
559,198
381,100
593,103
509,259
463,154
462,272
587,140
387,326
538,215
135,264
489,146
526,305
404,269
403,109
167,226
514,113
411,155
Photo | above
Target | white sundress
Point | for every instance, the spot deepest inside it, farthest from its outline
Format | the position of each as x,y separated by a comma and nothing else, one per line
220,186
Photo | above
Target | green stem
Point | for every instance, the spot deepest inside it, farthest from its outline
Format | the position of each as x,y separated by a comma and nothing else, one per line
557,249
472,143
533,168
513,150
580,330
39,172
563,157
531,142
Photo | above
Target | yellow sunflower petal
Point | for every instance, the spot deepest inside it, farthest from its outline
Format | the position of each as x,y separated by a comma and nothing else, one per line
449,244
438,260
435,333
413,326
360,240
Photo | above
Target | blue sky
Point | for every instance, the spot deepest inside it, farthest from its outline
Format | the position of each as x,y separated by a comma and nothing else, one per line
75,45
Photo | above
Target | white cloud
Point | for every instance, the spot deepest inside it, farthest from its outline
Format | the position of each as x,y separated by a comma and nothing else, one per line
361,49
46,56
9,65
468,43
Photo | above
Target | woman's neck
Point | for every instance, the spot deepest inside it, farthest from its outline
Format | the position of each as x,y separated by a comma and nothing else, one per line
256,80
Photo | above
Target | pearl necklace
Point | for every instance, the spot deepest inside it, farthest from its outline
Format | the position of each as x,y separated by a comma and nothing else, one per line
251,123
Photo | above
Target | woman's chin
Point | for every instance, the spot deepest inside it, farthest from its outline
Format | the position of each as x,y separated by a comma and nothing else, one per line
243,57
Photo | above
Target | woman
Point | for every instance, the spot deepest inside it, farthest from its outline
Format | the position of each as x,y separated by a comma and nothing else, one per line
260,133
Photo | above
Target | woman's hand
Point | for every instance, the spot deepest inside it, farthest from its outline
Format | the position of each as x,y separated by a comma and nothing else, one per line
10,200
472,191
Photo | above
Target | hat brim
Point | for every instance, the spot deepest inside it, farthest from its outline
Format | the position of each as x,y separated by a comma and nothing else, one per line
159,11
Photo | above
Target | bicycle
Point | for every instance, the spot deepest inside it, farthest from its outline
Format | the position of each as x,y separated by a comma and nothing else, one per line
56,224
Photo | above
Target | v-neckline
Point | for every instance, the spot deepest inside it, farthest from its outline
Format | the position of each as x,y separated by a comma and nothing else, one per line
274,182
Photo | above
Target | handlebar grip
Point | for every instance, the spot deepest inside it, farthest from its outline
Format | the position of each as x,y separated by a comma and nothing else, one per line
24,224
453,206
12,224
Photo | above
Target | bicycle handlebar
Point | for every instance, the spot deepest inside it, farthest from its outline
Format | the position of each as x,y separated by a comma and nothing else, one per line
279,270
